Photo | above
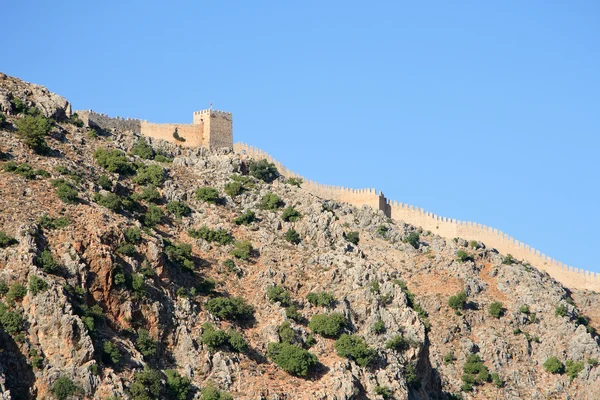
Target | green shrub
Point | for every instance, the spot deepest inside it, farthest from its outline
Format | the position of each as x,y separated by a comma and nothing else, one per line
397,343
179,209
146,385
230,308
496,310
294,181
243,250
246,218
475,371
524,309
37,361
133,235
328,325
12,321
292,359
47,222
153,216
63,388
457,301
292,236
2,119
16,293
413,239
573,368
463,256
593,362
263,170
109,200
111,352
237,341
279,294
374,287
508,260
32,131
178,386
113,161
290,214
150,175
161,158
234,189
412,379
353,237
207,194
474,244
498,381
220,236
324,299
47,262
287,334
37,285
25,170
382,230
6,240
271,201
180,255
355,348
142,149
449,358
210,392
554,365
560,310
378,327
213,338
149,194
65,191
384,392
292,313
3,288
104,182
75,120
127,249
145,344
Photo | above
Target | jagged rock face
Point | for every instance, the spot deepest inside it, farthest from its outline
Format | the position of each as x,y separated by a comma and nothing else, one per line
383,286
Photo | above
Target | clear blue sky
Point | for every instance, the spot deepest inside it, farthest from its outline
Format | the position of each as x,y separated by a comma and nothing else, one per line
477,110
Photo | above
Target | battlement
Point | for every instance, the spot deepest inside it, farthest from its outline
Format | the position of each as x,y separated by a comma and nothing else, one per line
448,228
212,133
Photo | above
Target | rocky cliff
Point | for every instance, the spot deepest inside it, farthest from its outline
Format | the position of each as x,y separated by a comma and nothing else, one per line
131,268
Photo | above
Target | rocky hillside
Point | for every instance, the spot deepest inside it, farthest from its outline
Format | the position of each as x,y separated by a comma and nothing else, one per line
133,269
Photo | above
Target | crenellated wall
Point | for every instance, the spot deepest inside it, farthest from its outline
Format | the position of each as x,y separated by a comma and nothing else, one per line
446,227
210,128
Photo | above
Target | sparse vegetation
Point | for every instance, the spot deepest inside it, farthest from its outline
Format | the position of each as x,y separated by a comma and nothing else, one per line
47,262
207,194
25,170
554,365
457,301
47,222
108,200
142,149
65,191
145,344
150,175
111,352
234,189
246,218
573,368
355,348
63,388
114,161
220,236
328,325
292,236
463,256
230,308
6,240
397,343
294,181
179,209
496,309
324,299
178,386
271,201
290,214
263,170
37,285
378,327
413,239
279,294
353,237
292,359
243,250
560,310
32,131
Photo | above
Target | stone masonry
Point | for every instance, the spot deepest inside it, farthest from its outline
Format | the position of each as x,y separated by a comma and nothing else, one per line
210,128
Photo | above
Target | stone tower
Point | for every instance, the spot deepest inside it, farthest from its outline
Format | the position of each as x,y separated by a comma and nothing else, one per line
217,128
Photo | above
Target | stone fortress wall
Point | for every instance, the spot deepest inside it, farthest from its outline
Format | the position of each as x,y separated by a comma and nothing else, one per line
210,128
446,227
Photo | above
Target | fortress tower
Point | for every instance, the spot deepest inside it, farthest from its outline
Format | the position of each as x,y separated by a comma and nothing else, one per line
209,128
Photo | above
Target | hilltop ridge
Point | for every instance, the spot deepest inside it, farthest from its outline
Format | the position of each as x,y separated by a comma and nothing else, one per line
134,268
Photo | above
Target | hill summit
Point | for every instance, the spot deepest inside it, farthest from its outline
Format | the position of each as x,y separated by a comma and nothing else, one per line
133,267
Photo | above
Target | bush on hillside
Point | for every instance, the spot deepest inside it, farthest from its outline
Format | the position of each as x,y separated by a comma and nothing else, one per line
397,343
63,388
355,348
207,194
292,236
290,214
324,299
243,250
234,189
178,387
230,308
113,161
328,325
292,359
496,310
65,191
271,201
47,262
145,344
220,236
413,239
263,170
142,149
47,222
108,200
246,218
111,353
352,237
146,385
153,216
6,240
150,175
32,131
457,301
554,365
37,285
279,294
179,209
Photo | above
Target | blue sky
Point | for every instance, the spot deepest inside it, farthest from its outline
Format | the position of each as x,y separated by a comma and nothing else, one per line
481,111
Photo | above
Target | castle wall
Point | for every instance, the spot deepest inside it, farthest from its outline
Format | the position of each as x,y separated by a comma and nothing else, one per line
193,134
442,226
103,121
220,130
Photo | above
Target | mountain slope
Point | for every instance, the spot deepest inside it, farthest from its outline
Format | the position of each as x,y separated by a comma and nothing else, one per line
139,276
